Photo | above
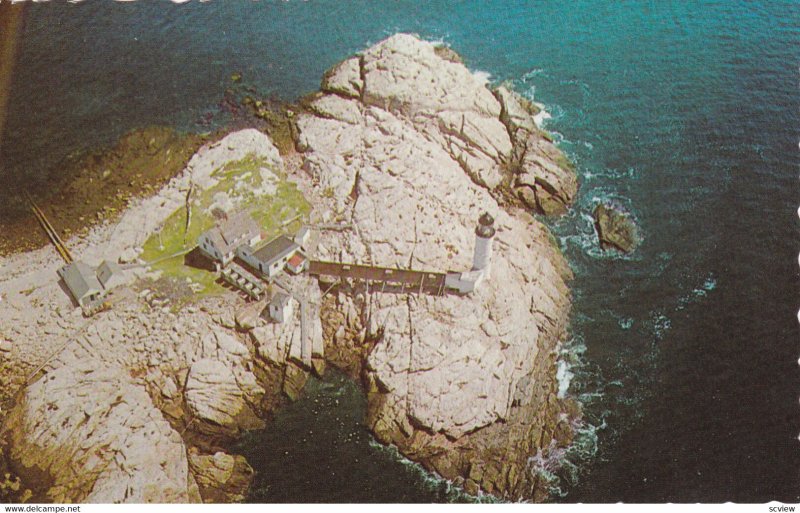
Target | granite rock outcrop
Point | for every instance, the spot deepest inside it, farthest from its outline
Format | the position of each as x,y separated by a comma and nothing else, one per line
133,404
404,148
409,148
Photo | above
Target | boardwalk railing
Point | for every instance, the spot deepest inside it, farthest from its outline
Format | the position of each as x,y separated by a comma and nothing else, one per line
407,280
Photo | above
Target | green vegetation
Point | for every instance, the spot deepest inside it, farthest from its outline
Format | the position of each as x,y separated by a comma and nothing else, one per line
563,162
546,136
252,185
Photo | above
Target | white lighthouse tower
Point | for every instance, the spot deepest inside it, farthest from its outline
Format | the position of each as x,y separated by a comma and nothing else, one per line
484,235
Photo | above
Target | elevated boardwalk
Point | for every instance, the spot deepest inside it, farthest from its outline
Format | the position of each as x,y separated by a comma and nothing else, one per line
398,280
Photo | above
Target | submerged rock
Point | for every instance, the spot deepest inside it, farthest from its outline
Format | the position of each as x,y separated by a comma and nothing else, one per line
615,228
86,189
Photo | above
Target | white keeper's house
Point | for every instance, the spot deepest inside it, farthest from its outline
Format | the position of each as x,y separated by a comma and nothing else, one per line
220,243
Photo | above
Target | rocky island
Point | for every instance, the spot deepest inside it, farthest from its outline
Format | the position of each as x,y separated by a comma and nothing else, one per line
390,164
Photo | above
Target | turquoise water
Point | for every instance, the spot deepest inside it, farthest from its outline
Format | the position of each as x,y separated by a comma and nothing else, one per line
687,114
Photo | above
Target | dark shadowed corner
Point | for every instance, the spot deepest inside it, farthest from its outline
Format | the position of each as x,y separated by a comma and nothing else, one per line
11,16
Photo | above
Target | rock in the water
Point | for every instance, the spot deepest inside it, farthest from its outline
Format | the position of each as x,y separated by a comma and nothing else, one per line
615,228
344,79
545,170
294,381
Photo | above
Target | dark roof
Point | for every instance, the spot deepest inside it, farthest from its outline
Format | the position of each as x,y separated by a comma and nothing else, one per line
275,249
485,232
485,227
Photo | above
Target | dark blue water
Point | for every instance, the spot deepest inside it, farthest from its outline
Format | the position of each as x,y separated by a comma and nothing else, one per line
689,115
318,450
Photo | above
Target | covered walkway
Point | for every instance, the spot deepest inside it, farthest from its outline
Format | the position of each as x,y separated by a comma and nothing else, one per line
407,280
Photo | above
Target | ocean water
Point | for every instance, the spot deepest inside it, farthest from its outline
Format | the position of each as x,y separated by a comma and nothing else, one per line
318,450
685,353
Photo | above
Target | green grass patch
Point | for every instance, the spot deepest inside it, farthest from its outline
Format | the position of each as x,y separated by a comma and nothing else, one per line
252,185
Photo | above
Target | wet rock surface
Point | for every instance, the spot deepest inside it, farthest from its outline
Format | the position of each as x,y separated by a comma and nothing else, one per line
615,228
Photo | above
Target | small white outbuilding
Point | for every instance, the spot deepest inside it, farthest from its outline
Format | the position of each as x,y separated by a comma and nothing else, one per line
281,307
82,283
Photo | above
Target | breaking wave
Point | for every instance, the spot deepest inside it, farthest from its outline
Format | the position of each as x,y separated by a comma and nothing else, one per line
430,481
